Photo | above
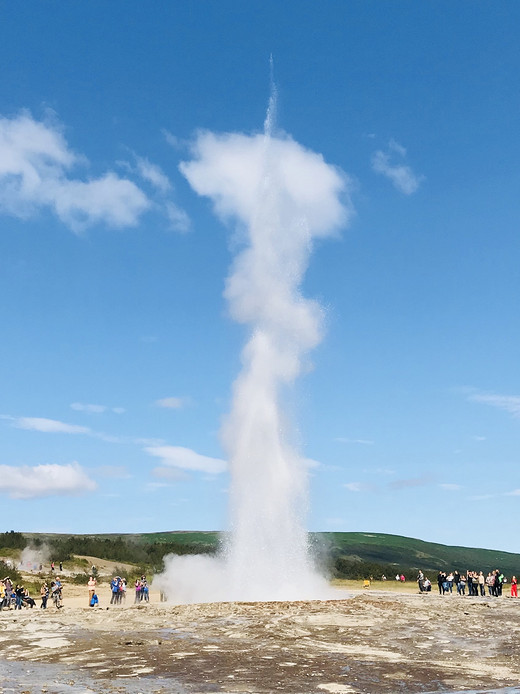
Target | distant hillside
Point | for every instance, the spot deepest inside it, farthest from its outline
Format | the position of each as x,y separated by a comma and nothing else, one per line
345,554
414,554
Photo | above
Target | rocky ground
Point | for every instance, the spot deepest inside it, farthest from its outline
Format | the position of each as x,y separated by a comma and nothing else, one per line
372,642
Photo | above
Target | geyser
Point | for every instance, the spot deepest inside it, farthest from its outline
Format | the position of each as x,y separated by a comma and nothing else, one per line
281,197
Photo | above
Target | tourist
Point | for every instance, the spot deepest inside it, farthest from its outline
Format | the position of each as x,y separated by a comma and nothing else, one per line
44,594
94,600
145,593
441,577
449,581
482,584
461,587
114,585
2,595
19,593
92,583
514,588
490,582
420,581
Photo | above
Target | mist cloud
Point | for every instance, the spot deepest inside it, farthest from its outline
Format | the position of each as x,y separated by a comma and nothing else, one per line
30,482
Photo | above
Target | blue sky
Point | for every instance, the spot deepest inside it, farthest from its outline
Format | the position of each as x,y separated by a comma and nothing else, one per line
118,351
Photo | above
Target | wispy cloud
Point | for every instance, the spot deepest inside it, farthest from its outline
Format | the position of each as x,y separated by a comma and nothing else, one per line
95,409
155,486
54,426
35,166
401,175
508,403
171,403
409,483
173,140
450,487
177,217
186,459
153,174
26,482
362,442
50,426
91,409
354,486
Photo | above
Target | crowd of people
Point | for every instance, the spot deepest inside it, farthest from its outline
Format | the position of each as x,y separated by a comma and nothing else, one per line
118,586
17,596
118,589
475,582
142,591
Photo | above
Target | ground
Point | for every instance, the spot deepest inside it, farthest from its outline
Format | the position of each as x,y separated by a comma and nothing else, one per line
369,642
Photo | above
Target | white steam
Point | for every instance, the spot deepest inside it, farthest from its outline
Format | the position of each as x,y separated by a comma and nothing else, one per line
32,558
282,197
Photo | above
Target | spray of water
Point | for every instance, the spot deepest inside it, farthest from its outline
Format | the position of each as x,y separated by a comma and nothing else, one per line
280,197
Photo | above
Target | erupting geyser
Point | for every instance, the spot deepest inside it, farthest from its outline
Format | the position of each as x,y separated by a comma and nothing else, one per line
281,197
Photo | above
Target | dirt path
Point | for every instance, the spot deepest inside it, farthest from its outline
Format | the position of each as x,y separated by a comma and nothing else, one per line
372,643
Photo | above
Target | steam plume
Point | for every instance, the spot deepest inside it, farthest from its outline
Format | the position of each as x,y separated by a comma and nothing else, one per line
281,197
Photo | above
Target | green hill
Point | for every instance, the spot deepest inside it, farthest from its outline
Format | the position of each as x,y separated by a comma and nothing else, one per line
344,554
411,553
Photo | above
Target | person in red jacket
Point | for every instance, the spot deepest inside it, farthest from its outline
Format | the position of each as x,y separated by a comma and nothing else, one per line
514,588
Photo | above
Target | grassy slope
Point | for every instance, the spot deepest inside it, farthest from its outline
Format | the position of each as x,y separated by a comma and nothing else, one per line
410,552
371,547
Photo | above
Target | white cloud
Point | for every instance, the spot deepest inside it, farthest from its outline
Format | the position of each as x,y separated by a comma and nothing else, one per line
95,409
27,482
508,403
177,217
401,175
451,487
186,459
354,486
52,426
172,403
91,409
153,174
35,164
515,492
